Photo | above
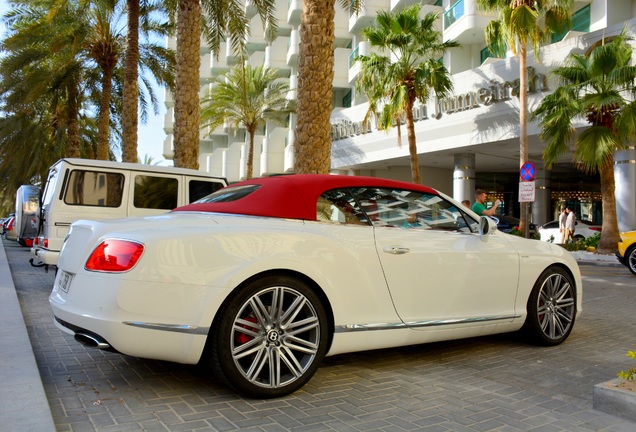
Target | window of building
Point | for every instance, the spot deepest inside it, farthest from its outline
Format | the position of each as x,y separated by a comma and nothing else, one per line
346,100
454,13
580,23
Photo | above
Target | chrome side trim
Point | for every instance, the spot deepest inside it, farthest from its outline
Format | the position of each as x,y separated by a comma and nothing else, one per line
347,328
177,328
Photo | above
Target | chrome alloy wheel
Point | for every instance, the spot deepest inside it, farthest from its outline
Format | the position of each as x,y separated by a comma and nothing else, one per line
631,259
556,306
275,337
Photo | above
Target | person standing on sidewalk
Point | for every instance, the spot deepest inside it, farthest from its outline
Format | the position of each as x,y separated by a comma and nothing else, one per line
562,219
570,225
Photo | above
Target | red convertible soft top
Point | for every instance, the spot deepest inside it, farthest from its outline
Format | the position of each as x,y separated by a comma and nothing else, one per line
292,196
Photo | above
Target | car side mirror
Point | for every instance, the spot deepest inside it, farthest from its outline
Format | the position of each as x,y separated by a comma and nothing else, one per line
486,225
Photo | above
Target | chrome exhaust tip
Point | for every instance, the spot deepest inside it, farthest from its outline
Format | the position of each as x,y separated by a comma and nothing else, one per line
91,341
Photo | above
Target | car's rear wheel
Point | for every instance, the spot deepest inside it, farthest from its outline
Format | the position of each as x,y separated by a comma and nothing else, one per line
578,237
270,337
551,308
630,259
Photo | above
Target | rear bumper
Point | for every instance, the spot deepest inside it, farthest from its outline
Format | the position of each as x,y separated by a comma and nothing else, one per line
46,256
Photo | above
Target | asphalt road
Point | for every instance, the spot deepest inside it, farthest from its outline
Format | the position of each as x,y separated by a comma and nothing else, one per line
495,383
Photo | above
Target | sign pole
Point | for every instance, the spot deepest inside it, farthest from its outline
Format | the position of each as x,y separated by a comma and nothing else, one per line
527,191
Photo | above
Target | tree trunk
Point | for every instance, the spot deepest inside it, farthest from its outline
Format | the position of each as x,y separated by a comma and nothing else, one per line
73,147
523,123
609,232
186,98
312,146
249,164
130,113
410,133
103,120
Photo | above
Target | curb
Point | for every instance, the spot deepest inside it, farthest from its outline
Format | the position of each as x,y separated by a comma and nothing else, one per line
23,403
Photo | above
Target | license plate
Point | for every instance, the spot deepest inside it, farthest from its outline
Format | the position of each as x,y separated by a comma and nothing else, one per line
64,281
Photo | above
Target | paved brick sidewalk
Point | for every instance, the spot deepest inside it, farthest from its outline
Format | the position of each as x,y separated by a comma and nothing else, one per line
481,384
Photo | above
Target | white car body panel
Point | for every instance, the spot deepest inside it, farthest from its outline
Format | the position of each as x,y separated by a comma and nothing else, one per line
176,260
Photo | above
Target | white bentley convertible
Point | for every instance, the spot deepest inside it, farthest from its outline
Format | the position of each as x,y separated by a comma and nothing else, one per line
262,279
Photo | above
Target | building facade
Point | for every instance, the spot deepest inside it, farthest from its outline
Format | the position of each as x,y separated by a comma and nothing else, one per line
468,141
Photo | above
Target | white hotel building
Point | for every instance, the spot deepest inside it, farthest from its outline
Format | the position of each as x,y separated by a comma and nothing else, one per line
468,142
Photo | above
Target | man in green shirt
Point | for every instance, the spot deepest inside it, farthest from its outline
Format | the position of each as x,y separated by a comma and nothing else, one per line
480,204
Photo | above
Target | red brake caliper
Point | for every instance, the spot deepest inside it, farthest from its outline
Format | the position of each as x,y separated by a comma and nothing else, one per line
242,338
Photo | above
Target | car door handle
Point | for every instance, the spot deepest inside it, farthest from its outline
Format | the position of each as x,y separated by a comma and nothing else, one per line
395,250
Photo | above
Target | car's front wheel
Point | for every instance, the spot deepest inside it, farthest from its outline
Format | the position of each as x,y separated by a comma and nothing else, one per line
630,259
270,338
551,308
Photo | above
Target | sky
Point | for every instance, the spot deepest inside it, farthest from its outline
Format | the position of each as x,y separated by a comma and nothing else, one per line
151,135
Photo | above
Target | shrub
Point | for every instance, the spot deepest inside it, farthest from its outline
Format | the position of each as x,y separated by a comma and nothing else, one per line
630,373
515,231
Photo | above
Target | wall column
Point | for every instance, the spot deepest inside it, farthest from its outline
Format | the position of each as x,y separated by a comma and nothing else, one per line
541,206
625,176
464,177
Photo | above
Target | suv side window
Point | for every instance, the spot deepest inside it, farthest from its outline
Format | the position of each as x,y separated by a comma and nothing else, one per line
408,209
152,192
94,188
197,189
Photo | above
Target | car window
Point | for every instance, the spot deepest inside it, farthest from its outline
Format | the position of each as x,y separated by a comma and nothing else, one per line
339,206
553,224
230,193
154,192
198,189
94,188
408,209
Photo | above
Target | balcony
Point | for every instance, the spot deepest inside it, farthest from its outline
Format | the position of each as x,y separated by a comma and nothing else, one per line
276,56
580,24
366,16
465,23
427,5
168,99
363,48
218,65
292,48
294,10
205,73
454,13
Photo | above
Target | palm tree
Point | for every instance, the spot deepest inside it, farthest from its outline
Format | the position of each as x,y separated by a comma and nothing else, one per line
56,52
40,64
222,20
599,88
248,97
312,141
104,44
130,105
415,74
142,60
521,23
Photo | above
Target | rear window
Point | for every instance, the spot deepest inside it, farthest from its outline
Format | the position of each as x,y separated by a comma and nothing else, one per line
94,188
153,192
198,189
230,193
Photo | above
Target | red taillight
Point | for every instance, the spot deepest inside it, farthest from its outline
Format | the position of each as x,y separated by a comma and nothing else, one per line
36,241
115,256
45,243
10,225
594,229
